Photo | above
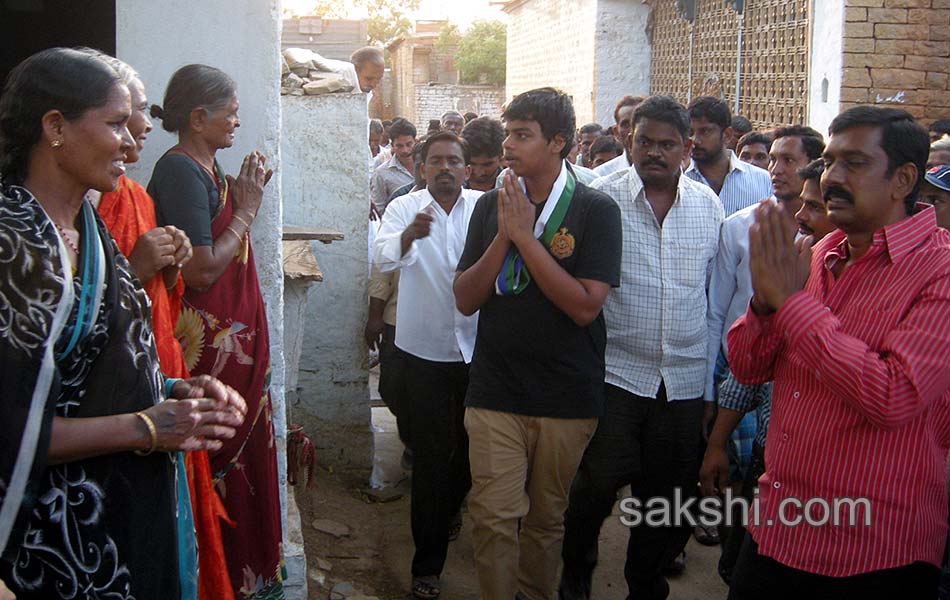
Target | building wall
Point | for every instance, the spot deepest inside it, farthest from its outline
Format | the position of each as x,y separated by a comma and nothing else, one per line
552,43
330,38
622,55
896,54
326,186
434,100
403,90
824,80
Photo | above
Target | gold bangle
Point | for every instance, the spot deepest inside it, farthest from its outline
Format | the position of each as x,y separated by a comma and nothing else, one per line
152,434
236,234
246,224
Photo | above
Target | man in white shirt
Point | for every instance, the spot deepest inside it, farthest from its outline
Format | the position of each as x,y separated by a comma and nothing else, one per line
656,354
423,235
623,117
730,290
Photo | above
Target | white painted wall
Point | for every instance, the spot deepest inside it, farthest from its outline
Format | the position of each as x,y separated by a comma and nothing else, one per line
326,185
622,64
552,43
826,62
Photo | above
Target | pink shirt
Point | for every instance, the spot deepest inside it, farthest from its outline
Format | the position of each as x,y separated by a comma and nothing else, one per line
860,406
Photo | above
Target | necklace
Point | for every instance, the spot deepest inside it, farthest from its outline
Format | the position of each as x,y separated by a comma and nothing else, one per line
66,238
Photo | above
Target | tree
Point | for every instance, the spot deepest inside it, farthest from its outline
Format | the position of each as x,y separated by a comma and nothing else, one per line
482,52
386,19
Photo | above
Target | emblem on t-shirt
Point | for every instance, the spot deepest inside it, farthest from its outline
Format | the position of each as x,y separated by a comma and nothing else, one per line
562,244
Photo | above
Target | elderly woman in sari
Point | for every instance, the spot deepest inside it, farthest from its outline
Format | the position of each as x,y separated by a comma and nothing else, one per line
223,326
88,439
157,255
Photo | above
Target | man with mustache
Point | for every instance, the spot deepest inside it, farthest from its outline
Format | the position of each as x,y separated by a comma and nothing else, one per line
541,253
484,136
422,235
737,184
730,289
655,356
854,333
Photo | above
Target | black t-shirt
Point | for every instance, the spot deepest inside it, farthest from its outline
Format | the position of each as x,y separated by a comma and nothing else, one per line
185,196
530,357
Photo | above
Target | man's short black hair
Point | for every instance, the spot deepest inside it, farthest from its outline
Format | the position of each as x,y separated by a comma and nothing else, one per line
401,127
665,109
741,125
753,137
484,136
902,138
712,109
625,101
592,128
551,109
942,127
445,136
812,141
812,170
375,126
606,143
470,116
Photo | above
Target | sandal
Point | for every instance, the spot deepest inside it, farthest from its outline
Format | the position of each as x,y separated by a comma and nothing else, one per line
426,587
707,536
456,527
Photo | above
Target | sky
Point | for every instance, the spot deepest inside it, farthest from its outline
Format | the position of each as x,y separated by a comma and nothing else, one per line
460,13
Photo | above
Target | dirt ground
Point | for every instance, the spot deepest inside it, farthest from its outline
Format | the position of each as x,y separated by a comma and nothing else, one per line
375,555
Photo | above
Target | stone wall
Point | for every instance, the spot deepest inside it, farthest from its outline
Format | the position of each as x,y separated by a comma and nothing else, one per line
824,76
433,100
326,186
553,43
896,53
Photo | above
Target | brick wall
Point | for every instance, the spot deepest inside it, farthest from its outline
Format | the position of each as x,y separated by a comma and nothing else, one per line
896,53
433,100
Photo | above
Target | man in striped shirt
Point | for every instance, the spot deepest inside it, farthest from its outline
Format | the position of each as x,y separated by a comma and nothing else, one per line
737,184
854,333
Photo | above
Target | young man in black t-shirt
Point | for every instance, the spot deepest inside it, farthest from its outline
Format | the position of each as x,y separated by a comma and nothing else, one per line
541,253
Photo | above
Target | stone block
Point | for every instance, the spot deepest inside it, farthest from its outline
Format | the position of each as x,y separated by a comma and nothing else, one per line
901,79
937,81
915,111
907,3
863,44
887,15
889,31
859,30
935,113
855,14
931,16
941,4
866,3
940,33
849,94
928,63
852,77
930,48
894,46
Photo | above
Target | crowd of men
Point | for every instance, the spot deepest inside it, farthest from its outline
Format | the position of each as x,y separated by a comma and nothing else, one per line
677,303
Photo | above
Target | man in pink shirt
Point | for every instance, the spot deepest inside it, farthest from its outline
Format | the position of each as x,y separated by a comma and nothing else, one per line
854,332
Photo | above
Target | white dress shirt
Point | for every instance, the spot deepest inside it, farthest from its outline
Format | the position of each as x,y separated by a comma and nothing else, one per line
613,165
427,323
730,287
656,325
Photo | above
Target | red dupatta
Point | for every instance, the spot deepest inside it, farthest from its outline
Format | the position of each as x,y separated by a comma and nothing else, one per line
128,213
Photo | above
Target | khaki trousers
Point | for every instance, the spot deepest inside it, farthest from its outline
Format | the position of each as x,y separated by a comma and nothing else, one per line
522,469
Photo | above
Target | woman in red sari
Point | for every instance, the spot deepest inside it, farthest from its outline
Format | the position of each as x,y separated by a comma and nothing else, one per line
157,255
223,326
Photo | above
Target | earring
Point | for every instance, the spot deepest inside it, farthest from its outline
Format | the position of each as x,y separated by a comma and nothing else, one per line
56,143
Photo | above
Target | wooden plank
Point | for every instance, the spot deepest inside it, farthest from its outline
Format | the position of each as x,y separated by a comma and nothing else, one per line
311,234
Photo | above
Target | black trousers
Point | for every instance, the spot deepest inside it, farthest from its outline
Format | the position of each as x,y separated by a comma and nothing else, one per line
392,383
756,577
649,444
734,536
440,471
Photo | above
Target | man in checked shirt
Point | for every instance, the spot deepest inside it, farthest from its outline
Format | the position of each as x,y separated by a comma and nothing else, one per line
854,333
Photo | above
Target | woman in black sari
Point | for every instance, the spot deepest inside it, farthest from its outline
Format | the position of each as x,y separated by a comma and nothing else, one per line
87,440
